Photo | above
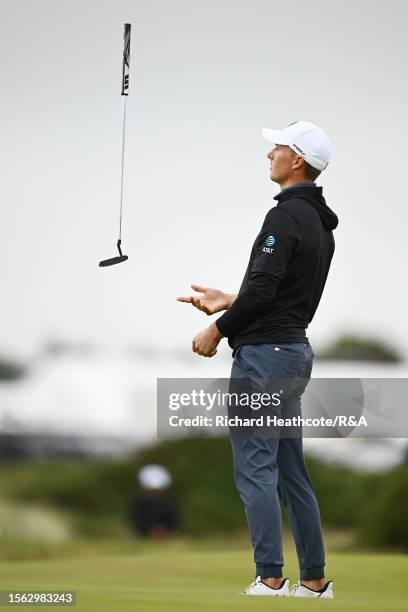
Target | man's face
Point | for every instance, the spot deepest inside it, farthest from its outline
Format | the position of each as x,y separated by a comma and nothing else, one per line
282,160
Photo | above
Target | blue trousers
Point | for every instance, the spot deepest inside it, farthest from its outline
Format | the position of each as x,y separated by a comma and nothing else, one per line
268,466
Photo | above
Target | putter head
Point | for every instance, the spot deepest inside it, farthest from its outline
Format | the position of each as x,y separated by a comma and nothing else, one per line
114,260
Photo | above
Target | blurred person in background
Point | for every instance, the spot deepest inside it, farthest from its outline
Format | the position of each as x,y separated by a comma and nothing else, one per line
153,511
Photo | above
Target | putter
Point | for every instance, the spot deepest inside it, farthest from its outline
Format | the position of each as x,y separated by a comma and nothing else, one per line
124,94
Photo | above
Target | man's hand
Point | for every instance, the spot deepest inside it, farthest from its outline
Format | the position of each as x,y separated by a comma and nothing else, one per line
211,301
205,342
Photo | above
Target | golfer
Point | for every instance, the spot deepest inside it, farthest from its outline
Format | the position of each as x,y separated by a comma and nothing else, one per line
265,325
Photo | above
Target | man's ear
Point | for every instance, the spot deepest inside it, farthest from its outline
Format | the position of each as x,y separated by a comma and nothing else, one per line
298,162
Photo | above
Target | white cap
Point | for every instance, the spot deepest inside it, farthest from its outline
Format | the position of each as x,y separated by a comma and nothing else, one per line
154,477
306,139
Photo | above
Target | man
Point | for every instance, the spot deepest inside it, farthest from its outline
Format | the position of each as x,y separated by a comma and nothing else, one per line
265,325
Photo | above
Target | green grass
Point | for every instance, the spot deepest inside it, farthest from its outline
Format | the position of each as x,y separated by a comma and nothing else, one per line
179,576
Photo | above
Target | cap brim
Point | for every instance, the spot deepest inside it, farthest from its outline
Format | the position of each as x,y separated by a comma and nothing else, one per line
275,136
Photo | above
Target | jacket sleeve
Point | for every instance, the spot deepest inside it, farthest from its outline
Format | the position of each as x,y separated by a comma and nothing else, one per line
273,250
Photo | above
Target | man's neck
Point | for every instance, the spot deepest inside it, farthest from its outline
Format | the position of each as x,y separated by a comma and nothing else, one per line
291,182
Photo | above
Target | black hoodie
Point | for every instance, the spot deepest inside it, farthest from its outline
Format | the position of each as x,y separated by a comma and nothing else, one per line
286,273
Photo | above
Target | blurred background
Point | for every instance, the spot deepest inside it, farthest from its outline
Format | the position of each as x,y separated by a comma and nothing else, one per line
81,347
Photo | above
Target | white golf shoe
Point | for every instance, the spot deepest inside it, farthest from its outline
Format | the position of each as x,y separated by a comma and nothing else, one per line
260,588
299,590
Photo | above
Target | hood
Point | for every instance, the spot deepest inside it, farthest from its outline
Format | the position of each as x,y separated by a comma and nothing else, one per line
314,196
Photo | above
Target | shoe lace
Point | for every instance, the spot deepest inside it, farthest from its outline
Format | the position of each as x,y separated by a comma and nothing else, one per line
251,586
295,588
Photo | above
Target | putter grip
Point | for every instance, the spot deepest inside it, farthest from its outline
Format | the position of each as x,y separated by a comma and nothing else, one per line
126,58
